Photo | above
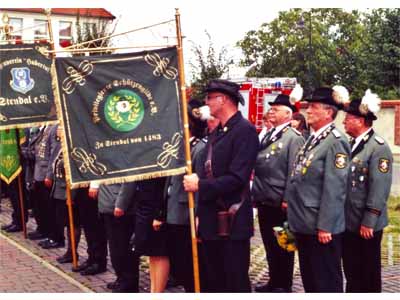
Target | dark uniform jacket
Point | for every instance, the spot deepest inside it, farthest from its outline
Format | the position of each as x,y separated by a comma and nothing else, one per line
177,198
274,162
369,184
56,173
317,187
44,146
234,152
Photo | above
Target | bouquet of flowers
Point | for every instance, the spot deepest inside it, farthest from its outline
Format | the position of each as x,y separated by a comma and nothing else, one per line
285,237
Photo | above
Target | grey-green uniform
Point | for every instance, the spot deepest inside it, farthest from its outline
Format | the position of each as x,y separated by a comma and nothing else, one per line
316,195
274,162
369,185
316,190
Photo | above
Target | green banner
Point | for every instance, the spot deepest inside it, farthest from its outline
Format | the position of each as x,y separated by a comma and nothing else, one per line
26,94
10,166
121,116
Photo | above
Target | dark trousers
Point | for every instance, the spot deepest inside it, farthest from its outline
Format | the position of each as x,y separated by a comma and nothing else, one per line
13,193
362,263
226,264
179,244
320,264
93,227
62,220
280,262
124,261
40,199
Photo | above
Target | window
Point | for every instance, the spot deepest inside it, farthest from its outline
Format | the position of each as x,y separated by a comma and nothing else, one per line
65,33
16,24
40,32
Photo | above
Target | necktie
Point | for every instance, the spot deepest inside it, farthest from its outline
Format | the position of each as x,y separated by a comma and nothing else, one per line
267,136
309,141
352,143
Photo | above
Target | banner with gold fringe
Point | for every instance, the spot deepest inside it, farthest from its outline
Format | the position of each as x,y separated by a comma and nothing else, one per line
121,116
26,93
10,166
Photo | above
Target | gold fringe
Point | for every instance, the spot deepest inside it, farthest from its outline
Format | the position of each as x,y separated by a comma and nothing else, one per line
131,178
57,101
26,125
13,176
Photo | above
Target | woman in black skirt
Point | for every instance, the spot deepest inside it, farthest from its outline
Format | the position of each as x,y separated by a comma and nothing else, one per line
150,233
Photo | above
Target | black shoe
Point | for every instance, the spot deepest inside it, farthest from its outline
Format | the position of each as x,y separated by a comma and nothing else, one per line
14,228
50,244
281,290
44,242
36,235
264,288
94,269
83,266
66,258
113,285
172,282
6,226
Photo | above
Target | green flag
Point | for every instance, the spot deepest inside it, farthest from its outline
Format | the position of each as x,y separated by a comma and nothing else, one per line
10,166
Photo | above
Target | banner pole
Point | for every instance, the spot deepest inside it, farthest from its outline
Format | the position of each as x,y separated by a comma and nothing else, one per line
187,150
68,189
20,191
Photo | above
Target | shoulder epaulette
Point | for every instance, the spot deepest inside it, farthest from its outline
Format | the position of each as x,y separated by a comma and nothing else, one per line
296,131
379,140
336,133
285,129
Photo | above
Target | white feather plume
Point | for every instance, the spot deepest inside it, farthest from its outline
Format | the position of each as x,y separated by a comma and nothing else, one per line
340,94
372,101
205,113
296,94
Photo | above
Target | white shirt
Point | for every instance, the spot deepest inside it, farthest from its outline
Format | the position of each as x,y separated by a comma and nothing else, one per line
360,138
321,130
278,129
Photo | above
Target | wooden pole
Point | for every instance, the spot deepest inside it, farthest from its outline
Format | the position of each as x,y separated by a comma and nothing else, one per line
20,188
187,151
68,188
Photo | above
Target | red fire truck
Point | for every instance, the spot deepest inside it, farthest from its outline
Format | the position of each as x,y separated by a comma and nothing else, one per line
257,92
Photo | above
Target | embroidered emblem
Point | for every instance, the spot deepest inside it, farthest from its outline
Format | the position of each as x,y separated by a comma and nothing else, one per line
340,160
383,165
21,80
124,110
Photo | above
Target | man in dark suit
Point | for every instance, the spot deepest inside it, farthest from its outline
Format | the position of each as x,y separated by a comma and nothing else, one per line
368,190
223,185
316,193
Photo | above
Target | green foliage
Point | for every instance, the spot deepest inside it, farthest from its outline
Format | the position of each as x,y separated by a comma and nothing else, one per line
394,215
324,47
92,30
208,65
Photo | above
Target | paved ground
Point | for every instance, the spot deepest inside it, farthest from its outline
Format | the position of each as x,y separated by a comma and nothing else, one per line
25,267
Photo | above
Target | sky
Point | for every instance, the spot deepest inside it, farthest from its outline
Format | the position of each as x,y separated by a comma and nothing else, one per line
226,21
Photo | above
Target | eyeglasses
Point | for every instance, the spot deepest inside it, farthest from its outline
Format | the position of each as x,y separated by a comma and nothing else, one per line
274,109
208,98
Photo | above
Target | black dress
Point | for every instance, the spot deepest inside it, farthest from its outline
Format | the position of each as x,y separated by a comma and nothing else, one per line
149,197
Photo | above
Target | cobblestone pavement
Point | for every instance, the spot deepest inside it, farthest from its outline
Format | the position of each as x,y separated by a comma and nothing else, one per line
26,267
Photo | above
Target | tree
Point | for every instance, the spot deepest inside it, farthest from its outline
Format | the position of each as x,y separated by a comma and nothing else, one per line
382,44
323,47
93,30
208,65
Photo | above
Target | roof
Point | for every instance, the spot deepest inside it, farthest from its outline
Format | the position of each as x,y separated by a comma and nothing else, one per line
89,12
